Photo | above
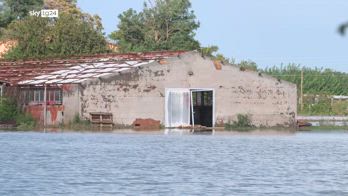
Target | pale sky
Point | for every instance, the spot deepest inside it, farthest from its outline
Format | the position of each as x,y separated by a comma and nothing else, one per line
269,32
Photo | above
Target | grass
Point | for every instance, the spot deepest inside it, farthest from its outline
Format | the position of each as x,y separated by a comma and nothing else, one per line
325,128
77,124
25,122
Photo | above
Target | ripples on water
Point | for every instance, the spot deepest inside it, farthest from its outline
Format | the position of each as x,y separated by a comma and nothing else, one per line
157,164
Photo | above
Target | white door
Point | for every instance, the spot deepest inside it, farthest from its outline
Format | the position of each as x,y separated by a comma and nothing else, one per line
177,111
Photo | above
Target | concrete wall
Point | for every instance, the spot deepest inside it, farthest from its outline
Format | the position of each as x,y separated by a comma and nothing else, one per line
71,102
57,114
140,92
54,114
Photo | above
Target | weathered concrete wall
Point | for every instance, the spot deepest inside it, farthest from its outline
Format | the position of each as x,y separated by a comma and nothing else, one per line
54,114
71,102
58,114
140,93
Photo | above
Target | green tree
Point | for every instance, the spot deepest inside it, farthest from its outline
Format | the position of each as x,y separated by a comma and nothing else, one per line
69,7
16,9
42,37
161,25
71,36
30,34
11,10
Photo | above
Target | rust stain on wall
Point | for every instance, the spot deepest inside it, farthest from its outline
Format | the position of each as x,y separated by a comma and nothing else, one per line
218,65
37,112
53,110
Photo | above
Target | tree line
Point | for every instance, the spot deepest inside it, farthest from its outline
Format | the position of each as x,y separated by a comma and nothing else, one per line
315,81
161,25
73,33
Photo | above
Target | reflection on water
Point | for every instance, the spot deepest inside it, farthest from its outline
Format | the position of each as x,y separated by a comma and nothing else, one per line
189,132
174,163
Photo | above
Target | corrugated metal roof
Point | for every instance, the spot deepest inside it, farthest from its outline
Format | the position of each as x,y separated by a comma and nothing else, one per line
75,69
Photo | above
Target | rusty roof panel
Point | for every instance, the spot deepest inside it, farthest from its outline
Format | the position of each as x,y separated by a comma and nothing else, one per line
75,69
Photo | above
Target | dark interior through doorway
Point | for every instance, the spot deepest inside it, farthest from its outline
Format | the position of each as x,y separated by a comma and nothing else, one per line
202,106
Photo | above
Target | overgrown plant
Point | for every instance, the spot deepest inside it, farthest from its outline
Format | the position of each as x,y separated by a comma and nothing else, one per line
9,113
8,110
25,122
212,52
248,65
323,105
77,124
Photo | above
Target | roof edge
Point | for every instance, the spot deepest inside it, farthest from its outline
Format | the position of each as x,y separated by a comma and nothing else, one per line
121,56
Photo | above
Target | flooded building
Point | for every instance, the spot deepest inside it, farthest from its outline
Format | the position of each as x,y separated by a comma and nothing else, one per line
169,88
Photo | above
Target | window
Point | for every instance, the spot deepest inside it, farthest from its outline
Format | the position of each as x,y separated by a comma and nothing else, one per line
36,96
58,95
54,96
202,98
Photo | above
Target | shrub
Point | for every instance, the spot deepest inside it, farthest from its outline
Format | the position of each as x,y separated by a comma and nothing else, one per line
25,122
8,110
76,119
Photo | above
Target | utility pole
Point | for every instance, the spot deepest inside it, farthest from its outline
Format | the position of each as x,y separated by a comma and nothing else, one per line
45,107
1,92
301,99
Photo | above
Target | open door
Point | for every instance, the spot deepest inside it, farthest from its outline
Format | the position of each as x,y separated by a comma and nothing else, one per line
186,107
202,106
177,107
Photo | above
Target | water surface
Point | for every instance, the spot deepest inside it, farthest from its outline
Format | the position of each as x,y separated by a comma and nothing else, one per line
174,164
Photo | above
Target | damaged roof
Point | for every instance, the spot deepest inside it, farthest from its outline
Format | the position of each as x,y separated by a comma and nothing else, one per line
75,69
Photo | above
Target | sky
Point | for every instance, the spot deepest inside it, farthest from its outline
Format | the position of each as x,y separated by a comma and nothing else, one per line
268,32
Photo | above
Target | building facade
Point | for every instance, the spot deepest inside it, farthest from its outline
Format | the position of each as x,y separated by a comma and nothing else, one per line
177,89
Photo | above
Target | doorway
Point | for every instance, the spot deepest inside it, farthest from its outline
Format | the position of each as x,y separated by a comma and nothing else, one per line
202,107
189,107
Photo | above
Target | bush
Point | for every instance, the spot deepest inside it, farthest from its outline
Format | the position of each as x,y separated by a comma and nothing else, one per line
9,113
77,119
8,110
340,108
25,122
